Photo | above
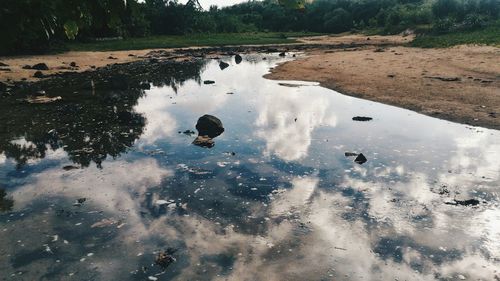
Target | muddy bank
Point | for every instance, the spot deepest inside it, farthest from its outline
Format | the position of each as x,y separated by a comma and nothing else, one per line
460,84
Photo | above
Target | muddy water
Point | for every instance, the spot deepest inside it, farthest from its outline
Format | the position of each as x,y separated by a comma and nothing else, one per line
96,185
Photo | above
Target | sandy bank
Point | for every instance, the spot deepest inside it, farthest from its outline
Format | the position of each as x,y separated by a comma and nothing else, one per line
460,84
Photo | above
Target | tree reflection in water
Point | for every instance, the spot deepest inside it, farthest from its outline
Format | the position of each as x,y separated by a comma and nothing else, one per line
90,123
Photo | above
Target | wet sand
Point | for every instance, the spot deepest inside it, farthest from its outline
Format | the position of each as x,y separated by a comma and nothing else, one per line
460,84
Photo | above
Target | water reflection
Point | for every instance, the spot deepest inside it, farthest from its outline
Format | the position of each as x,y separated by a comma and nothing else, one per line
89,125
275,199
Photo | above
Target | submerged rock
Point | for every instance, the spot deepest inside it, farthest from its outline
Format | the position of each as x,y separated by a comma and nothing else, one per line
468,202
362,118
188,132
209,126
238,59
223,65
361,159
204,141
166,258
70,167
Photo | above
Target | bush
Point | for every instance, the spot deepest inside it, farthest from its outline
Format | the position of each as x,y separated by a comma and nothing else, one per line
473,21
443,25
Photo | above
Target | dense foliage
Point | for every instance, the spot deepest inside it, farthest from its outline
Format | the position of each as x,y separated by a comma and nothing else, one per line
36,25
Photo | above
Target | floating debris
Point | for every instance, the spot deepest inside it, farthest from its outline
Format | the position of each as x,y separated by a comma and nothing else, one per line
42,99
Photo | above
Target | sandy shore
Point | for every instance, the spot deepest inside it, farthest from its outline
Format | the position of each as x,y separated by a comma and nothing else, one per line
460,84
61,63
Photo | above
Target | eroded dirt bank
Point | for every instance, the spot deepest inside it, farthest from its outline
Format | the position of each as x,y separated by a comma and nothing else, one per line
460,84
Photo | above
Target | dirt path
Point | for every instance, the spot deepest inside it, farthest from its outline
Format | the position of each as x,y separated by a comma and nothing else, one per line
459,84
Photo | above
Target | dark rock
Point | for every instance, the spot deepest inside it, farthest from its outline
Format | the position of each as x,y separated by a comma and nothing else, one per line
361,159
238,59
112,58
282,54
27,67
379,50
72,64
391,75
3,64
40,66
208,82
38,74
445,79
210,126
92,66
350,154
223,65
230,93
469,202
6,69
189,132
362,118
70,167
368,39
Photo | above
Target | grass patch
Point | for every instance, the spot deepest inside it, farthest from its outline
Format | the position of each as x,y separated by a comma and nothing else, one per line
486,36
179,41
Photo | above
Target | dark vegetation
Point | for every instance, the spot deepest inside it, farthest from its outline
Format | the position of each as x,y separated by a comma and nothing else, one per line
40,25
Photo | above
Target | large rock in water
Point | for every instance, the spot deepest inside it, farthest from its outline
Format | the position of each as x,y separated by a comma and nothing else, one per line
238,59
223,65
210,126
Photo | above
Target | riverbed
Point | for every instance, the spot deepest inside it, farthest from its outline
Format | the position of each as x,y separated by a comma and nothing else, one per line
102,181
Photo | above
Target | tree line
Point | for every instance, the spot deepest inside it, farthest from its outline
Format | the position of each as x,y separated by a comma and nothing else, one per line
37,25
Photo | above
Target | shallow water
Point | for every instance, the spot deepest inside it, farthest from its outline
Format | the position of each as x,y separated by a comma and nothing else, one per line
275,199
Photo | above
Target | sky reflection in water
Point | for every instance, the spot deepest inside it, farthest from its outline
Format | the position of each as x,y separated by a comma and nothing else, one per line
287,206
